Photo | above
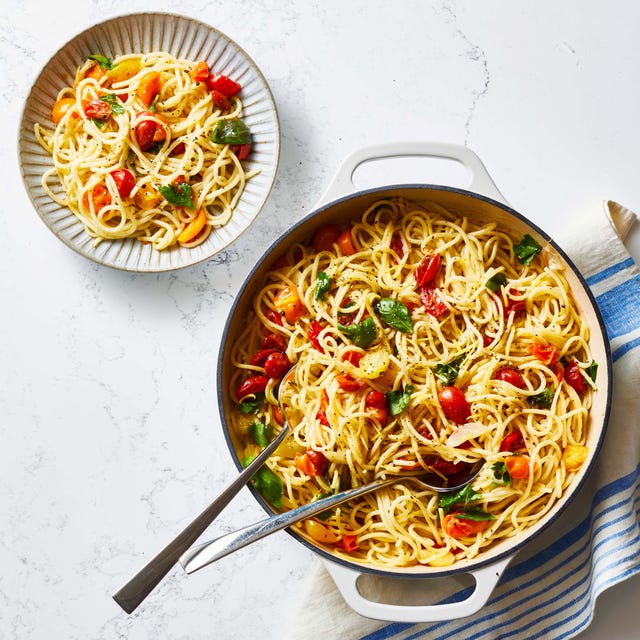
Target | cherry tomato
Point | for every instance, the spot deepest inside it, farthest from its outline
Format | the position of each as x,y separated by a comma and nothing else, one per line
448,467
145,133
457,526
345,242
274,341
225,85
454,405
252,386
242,151
95,71
347,382
60,108
261,356
288,303
277,415
313,333
348,542
376,405
98,110
352,357
574,377
510,375
276,365
124,181
194,227
220,100
179,149
200,72
513,306
312,463
512,442
432,302
546,353
396,245
518,466
325,237
322,417
100,197
149,87
427,270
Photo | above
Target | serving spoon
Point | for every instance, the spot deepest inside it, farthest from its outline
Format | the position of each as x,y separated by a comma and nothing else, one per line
204,554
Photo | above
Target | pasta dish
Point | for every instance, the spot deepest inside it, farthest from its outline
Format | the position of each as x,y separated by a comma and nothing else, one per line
420,340
148,146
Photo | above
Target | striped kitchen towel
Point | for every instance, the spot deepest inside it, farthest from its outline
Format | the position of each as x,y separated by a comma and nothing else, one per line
550,588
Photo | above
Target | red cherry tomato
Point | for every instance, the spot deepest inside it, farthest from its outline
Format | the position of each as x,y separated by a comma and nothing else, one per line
325,237
454,405
261,356
574,377
396,245
276,365
312,334
347,382
427,270
512,442
510,375
457,526
376,405
242,151
433,302
546,353
447,467
225,85
98,109
312,463
124,181
220,100
145,133
252,386
274,341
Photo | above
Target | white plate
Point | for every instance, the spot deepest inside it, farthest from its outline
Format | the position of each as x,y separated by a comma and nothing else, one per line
183,38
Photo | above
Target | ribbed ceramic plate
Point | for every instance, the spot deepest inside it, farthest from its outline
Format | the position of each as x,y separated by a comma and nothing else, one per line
184,38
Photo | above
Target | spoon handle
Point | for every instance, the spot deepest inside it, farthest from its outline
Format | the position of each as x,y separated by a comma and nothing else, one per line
208,552
143,583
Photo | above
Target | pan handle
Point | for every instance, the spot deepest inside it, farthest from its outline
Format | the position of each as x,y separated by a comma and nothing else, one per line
481,182
486,578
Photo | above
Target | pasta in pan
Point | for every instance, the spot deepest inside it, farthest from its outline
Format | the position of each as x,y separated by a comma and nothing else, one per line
421,340
148,146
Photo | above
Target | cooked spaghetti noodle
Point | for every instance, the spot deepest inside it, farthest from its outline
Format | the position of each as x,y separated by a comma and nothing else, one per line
134,154
421,340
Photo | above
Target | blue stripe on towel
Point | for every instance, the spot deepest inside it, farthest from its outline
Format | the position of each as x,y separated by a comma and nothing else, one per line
584,534
609,271
619,307
625,348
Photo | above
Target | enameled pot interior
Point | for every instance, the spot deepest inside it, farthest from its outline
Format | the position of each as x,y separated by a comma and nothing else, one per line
477,209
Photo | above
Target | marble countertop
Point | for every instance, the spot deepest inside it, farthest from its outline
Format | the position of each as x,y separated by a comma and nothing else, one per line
111,438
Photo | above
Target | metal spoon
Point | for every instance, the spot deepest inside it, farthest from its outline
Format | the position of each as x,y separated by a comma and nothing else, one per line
208,552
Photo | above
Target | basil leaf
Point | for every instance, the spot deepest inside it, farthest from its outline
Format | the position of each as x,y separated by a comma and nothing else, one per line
179,194
465,495
500,472
267,484
527,249
233,131
361,334
395,314
475,514
260,433
252,405
496,281
398,400
592,370
103,61
542,400
448,372
324,284
324,515
98,123
112,100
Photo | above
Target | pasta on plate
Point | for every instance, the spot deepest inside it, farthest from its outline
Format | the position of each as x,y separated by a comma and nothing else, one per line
148,146
421,340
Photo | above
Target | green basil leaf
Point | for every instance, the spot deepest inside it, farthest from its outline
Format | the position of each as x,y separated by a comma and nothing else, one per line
324,284
395,314
592,370
98,123
260,433
252,405
324,515
179,194
112,100
448,372
527,249
103,61
465,495
496,281
542,400
267,483
398,400
233,131
475,514
500,472
361,334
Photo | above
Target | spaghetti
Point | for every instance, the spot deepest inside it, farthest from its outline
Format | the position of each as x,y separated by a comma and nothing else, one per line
148,147
421,340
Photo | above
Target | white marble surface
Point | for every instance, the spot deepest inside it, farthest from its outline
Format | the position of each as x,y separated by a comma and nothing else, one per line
110,432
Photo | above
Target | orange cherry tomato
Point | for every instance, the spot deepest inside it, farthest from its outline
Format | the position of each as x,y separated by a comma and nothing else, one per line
149,87
325,237
288,303
312,463
546,353
348,542
457,526
518,466
200,72
95,71
60,109
100,197
194,227
345,242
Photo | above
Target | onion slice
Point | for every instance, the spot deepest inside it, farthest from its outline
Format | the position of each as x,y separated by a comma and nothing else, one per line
465,432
